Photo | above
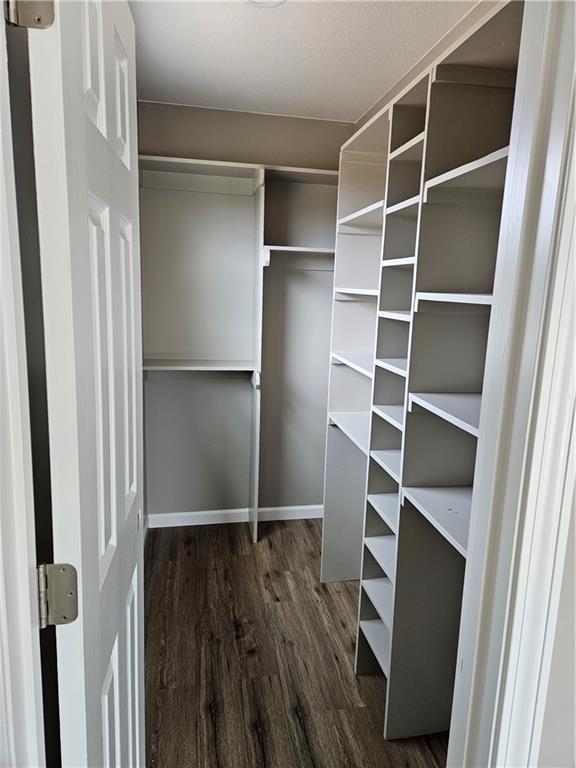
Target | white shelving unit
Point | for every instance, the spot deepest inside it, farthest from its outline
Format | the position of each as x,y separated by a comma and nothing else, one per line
223,246
437,158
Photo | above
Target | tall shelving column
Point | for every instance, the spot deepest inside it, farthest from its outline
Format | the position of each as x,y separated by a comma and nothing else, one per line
418,512
363,165
382,503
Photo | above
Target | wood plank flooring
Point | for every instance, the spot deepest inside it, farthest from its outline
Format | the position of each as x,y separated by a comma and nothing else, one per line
250,659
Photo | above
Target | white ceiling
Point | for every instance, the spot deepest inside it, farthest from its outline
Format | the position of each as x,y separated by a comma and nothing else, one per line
329,60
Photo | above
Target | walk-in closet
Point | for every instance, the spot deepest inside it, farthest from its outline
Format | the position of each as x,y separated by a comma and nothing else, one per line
314,346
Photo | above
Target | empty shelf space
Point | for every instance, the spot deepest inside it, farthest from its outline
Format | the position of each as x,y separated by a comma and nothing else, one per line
362,362
460,409
355,425
397,365
378,636
411,151
367,292
371,216
381,594
448,509
298,249
389,460
383,549
387,506
407,261
403,315
407,207
486,173
393,414
484,299
157,364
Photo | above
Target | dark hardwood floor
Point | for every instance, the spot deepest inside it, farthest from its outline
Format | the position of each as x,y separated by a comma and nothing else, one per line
250,659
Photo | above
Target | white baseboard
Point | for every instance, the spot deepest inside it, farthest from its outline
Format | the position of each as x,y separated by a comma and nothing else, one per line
215,516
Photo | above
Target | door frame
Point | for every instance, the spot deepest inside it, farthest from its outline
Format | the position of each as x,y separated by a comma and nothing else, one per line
21,706
513,403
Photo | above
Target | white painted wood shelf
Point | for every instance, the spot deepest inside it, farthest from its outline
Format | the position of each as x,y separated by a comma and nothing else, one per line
355,425
366,292
383,549
448,509
407,208
404,261
387,505
460,409
398,365
486,173
362,362
379,638
403,315
381,594
393,414
390,460
369,217
298,249
484,299
152,364
411,151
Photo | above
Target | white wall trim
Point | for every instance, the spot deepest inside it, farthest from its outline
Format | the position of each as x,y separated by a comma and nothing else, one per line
219,516
520,314
21,713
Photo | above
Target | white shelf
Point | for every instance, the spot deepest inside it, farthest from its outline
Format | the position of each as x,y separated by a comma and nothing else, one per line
358,291
298,249
447,508
460,409
407,261
484,299
393,414
383,549
486,173
381,594
404,315
387,506
378,636
370,217
411,151
389,460
407,207
362,362
355,425
157,364
397,365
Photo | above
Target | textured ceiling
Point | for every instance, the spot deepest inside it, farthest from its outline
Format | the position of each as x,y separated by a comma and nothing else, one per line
329,60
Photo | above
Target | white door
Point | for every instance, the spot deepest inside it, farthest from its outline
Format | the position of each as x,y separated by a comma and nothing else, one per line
84,122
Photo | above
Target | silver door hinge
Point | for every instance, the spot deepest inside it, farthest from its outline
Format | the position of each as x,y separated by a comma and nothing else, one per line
57,594
35,14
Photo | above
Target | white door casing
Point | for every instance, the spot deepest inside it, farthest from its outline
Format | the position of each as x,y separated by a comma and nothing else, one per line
21,717
82,74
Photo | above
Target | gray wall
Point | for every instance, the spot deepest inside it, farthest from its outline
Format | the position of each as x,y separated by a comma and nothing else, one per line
296,351
240,137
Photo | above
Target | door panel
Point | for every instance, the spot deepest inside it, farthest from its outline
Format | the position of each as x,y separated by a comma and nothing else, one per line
84,116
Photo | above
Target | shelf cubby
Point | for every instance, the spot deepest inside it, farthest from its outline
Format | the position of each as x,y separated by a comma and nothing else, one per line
350,383
383,550
380,591
299,214
459,408
368,219
386,506
392,340
448,349
409,116
361,362
378,637
393,414
399,236
389,388
447,508
390,459
355,425
436,453
396,289
358,263
458,247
